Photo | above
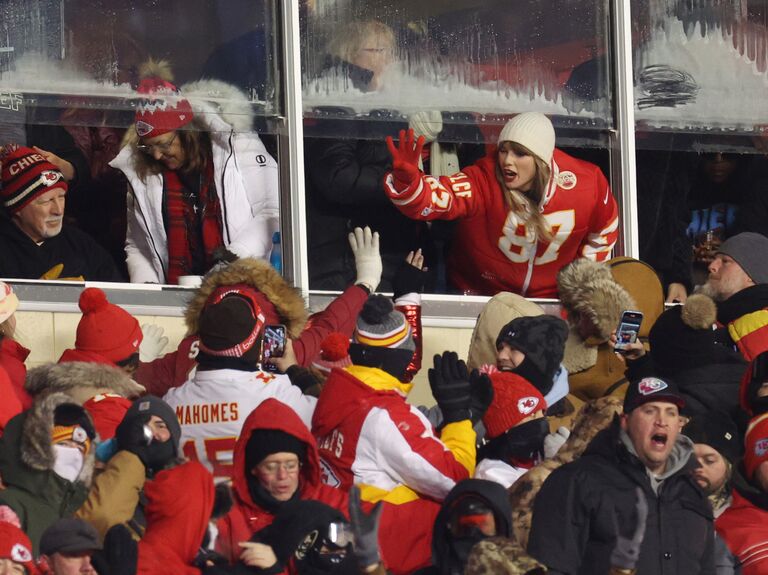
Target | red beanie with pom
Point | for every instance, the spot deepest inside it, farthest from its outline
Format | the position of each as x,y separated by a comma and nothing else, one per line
334,352
106,329
514,399
16,546
756,444
162,110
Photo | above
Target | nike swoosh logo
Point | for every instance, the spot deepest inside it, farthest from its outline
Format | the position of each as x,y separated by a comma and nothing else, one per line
608,193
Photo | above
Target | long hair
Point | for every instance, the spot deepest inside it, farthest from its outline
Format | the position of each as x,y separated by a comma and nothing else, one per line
526,204
195,141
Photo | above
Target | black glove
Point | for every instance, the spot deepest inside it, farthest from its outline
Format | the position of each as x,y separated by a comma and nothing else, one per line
408,279
449,381
132,436
121,551
481,390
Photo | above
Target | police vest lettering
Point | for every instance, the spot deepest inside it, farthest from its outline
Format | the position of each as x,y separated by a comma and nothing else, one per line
333,442
207,413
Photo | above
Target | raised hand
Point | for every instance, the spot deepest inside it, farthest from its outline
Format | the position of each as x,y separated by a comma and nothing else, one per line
405,158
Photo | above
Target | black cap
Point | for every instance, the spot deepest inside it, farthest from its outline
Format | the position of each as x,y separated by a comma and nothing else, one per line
541,338
652,389
149,405
69,536
716,429
265,442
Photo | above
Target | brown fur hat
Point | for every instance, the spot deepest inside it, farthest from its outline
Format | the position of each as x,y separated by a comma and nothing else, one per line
288,304
587,289
81,380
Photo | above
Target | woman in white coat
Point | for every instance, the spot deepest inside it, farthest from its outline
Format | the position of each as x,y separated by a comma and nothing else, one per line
200,179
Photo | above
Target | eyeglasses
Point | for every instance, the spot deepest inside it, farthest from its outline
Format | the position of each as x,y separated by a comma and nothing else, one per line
163,148
273,467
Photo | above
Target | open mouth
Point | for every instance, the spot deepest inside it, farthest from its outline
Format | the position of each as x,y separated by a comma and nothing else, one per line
659,440
510,174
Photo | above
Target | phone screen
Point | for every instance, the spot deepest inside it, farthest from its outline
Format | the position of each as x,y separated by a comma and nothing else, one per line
629,327
272,345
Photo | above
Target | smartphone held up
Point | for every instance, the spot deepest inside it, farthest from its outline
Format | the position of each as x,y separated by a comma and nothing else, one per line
626,332
272,345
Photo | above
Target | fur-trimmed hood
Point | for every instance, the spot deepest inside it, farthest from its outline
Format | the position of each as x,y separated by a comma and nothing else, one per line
588,289
36,448
81,381
287,301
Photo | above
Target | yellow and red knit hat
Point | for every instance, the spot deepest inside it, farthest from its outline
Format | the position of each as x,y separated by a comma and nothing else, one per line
381,325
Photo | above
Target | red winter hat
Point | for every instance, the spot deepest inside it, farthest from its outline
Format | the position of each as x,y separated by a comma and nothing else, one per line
26,174
107,411
756,444
163,110
334,352
16,546
106,329
514,399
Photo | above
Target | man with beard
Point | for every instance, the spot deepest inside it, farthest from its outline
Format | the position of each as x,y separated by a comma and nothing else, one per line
716,446
737,281
586,506
34,241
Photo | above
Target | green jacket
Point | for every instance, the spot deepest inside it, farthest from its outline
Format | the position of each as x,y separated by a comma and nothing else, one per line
35,493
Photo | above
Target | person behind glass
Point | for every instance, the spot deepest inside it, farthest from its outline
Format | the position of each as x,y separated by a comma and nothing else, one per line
199,180
34,241
524,211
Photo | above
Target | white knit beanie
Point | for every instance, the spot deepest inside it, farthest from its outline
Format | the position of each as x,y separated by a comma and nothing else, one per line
532,130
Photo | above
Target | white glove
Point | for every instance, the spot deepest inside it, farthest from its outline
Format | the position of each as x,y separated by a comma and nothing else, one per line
554,441
365,246
153,343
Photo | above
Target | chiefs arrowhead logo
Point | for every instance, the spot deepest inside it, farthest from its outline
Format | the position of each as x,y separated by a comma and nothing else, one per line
142,128
527,405
20,554
761,447
650,385
567,180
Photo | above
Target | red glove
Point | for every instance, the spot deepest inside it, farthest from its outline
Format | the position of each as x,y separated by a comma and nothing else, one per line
405,159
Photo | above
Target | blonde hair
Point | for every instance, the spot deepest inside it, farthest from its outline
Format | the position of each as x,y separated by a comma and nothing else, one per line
196,143
347,41
527,203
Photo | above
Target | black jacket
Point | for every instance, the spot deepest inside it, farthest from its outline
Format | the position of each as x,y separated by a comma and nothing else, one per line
80,255
573,529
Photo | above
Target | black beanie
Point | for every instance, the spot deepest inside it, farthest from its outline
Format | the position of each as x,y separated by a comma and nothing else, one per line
716,429
225,324
542,339
265,442
682,337
149,405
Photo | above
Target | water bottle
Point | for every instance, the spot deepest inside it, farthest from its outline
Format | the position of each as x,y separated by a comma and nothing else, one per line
276,258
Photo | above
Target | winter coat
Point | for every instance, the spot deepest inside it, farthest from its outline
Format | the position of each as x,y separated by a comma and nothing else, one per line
594,416
212,406
745,315
489,253
246,182
579,505
69,255
12,358
246,516
500,555
179,506
33,491
370,436
744,526
10,406
307,334
495,499
115,493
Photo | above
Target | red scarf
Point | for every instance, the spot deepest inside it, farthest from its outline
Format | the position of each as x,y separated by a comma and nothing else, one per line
193,224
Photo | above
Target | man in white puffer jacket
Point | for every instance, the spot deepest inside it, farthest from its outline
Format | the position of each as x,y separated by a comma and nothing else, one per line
199,177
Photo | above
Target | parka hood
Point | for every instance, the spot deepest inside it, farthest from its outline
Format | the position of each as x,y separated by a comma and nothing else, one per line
287,301
272,414
28,443
81,380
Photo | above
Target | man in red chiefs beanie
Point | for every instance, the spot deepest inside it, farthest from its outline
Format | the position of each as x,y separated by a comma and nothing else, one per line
106,333
744,525
33,239
515,429
15,551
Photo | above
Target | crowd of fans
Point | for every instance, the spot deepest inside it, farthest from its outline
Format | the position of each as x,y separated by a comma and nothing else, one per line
549,450
315,462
